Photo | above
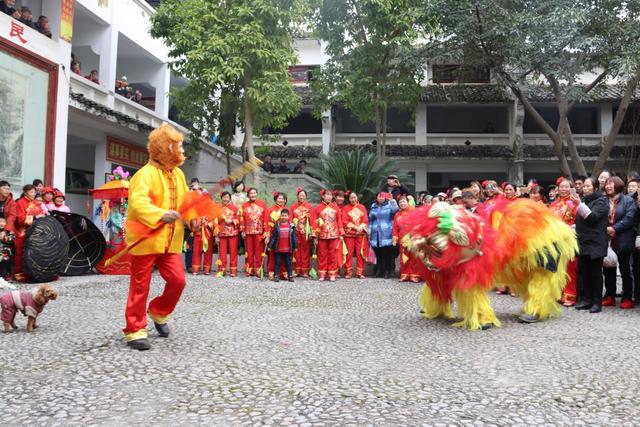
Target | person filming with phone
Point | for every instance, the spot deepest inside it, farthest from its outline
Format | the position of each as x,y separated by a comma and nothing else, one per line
393,187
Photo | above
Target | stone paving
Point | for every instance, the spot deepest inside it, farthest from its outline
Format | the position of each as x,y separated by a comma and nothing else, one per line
249,352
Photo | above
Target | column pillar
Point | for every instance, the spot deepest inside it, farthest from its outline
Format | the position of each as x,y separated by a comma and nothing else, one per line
327,131
516,136
421,124
162,82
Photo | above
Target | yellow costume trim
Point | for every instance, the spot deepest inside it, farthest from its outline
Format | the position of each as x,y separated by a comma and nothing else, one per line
158,319
474,307
142,333
431,307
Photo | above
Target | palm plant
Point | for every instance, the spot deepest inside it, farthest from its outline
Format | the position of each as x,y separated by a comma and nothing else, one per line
356,170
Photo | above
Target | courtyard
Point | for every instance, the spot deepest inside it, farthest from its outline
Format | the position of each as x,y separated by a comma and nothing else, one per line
251,352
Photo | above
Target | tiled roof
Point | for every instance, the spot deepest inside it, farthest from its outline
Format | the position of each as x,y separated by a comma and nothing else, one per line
101,110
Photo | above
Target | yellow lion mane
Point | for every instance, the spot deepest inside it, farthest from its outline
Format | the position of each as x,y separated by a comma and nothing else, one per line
165,146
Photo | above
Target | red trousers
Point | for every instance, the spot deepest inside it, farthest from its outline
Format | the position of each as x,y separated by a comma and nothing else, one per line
570,289
328,252
17,259
408,269
228,245
171,269
197,254
302,255
357,246
254,245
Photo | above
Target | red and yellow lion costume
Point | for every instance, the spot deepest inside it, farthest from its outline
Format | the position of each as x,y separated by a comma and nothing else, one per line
520,243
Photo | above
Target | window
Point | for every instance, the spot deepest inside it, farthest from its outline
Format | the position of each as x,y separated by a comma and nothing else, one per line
451,73
398,121
303,123
583,119
631,122
467,119
302,73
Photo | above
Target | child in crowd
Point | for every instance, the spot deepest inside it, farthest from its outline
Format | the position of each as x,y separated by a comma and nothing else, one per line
283,242
58,202
6,249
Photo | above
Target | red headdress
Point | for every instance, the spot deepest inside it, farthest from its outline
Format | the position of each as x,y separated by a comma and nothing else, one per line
46,190
485,183
559,180
58,193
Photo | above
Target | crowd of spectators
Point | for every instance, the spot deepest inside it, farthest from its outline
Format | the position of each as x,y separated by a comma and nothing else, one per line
16,216
25,16
282,167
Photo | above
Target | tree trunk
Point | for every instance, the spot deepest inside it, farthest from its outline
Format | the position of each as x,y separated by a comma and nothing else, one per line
617,124
553,135
383,149
248,118
378,131
565,132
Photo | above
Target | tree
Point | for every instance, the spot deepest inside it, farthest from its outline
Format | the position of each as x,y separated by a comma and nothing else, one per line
553,43
371,63
359,171
236,55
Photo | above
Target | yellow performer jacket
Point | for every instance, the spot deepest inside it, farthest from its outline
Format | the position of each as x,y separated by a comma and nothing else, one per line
153,191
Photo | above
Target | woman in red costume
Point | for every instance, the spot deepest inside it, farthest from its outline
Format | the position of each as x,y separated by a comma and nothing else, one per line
566,209
202,244
408,270
274,216
227,231
510,192
329,232
27,210
253,225
304,219
355,221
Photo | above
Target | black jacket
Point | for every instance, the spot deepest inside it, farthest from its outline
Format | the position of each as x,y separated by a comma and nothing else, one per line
625,240
592,230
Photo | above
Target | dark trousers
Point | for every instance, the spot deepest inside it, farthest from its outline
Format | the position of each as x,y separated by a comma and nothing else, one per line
385,260
286,257
5,269
590,279
636,275
188,255
624,261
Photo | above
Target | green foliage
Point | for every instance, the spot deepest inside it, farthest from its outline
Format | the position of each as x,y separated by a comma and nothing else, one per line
372,62
358,170
240,47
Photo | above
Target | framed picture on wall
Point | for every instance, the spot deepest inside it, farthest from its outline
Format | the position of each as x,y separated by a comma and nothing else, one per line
79,181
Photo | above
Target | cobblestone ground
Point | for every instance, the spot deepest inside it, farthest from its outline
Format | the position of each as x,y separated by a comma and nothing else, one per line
244,351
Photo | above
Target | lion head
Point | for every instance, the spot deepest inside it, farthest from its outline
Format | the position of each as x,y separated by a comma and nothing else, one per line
165,147
442,236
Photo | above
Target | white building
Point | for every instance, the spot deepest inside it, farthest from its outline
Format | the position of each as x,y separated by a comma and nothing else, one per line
64,128
460,132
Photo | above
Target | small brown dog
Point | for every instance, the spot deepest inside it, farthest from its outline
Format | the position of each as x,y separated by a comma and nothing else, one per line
30,303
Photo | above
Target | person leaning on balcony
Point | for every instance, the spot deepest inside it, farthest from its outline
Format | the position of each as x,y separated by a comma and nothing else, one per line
93,76
282,167
300,167
26,17
7,6
43,26
622,211
267,165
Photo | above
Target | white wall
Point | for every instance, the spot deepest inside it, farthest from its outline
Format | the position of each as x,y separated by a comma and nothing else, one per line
309,51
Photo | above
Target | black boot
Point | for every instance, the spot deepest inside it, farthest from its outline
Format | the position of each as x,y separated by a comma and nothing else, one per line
162,328
141,344
583,305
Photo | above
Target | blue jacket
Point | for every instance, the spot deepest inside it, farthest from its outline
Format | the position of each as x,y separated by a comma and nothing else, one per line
381,223
625,240
293,239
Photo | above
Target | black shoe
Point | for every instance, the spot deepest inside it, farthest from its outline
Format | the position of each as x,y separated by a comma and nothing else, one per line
162,328
583,305
387,275
486,326
595,308
276,279
141,344
291,279
528,318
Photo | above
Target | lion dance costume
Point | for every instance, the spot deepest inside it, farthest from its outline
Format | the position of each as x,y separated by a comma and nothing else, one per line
158,187
462,255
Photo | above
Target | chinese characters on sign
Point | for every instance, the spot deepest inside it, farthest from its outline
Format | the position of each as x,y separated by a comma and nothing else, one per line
66,20
121,152
17,31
